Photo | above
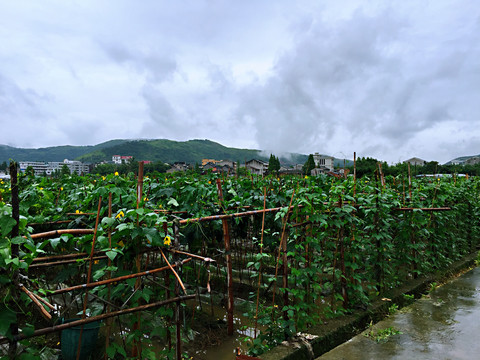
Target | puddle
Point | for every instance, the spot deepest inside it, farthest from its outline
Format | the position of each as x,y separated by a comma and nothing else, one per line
444,325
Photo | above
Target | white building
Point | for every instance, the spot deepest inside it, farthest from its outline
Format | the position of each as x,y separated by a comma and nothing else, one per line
323,162
258,167
120,159
41,168
74,166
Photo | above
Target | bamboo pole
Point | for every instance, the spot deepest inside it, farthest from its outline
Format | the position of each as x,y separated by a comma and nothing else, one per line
109,275
410,183
227,216
79,213
12,350
61,232
174,272
89,276
137,344
178,342
203,258
228,258
62,262
73,256
113,280
280,247
260,267
88,320
44,312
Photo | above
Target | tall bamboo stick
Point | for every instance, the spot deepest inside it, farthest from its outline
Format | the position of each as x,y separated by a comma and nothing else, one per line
260,267
228,258
91,319
89,276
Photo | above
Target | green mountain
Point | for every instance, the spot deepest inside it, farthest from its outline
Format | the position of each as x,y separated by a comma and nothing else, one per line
168,151
54,153
460,160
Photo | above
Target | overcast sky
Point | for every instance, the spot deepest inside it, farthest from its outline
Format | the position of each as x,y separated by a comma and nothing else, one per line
386,79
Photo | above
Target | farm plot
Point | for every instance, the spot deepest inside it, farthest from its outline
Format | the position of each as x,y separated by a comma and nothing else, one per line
146,259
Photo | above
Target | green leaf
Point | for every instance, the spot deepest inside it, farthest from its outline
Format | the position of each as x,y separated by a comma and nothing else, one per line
6,225
18,240
28,330
7,317
54,242
111,351
111,254
173,202
108,221
15,261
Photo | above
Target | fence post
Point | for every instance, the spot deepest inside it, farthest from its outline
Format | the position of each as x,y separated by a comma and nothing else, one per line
285,273
228,258
12,350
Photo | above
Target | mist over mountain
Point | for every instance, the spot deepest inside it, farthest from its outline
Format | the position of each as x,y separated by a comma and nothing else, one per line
168,151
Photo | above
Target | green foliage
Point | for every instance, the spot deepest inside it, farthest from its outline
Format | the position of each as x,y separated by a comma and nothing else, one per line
353,243
382,335
392,309
273,164
368,166
309,165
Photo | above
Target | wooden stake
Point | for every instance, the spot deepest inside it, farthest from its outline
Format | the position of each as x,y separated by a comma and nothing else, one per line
228,258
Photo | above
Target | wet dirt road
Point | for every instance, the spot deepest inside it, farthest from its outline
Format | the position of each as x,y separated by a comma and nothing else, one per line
443,325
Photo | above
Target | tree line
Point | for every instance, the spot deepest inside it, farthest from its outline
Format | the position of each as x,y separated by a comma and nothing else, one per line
368,166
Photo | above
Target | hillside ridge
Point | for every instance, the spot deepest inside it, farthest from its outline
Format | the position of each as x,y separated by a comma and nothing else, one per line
168,151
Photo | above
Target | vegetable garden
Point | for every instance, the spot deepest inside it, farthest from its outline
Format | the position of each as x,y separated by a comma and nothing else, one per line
146,257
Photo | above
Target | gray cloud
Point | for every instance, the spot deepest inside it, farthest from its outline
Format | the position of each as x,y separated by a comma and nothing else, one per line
368,84
385,79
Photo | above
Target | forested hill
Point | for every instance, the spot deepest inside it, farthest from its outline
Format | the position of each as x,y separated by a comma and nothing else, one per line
168,151
53,153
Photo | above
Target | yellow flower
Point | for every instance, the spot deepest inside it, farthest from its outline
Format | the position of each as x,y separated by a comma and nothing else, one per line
116,173
167,241
120,215
145,199
61,189
103,177
160,206
306,177
77,211
41,188
96,262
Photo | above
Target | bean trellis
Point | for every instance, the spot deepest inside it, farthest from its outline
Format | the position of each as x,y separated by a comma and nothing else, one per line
305,249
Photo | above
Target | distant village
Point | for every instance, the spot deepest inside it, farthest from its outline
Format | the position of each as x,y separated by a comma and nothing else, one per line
323,165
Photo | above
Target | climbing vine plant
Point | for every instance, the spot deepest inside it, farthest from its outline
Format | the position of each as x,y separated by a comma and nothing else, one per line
346,242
